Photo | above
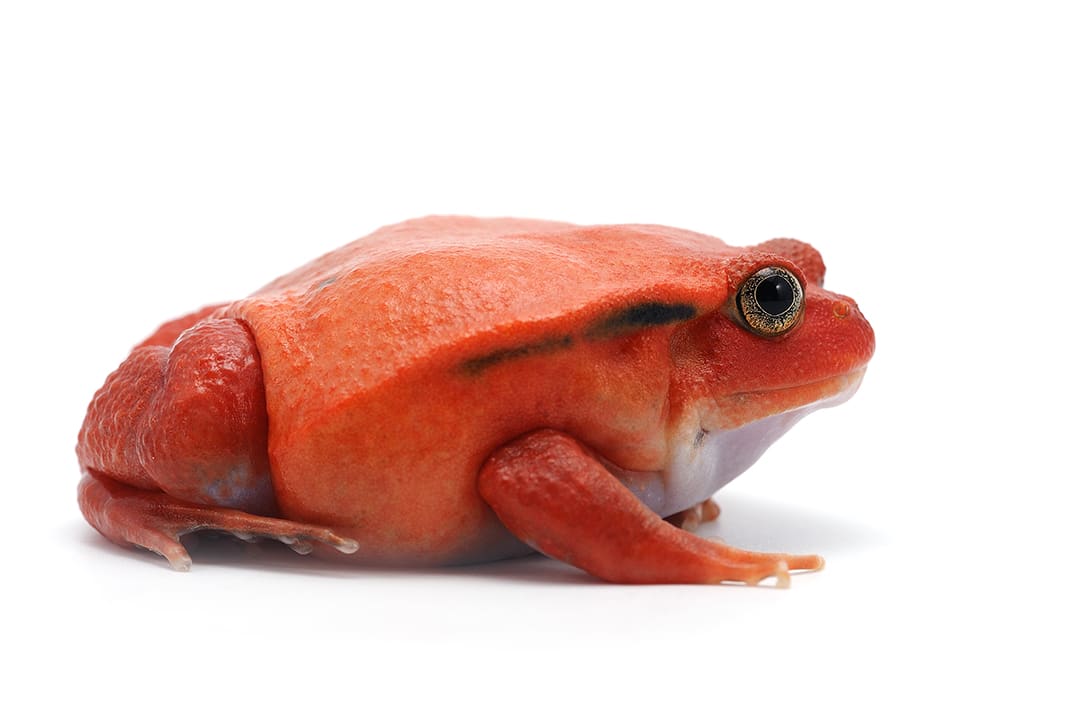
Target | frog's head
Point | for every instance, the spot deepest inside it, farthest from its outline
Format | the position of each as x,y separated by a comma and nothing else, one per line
779,347
780,341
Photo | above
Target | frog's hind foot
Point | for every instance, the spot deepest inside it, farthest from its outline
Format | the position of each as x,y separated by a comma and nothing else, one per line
155,521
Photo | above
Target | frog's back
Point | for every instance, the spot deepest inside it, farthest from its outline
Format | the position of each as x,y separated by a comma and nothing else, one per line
453,290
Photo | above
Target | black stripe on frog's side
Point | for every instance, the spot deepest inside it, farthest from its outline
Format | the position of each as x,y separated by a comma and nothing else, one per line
479,364
639,316
635,317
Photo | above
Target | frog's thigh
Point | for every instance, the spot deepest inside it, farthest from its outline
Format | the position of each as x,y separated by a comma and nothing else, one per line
552,494
175,442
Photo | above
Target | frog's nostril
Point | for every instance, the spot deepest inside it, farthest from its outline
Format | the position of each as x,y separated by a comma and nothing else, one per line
841,309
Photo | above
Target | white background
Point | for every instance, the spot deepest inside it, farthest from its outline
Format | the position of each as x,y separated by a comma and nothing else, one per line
157,157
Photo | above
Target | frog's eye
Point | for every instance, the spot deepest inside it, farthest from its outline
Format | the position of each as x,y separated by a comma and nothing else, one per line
771,301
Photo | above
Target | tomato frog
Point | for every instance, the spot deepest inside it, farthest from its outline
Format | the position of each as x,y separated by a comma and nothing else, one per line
453,390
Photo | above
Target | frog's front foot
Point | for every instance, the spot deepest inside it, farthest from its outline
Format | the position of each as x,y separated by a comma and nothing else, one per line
553,494
691,519
155,521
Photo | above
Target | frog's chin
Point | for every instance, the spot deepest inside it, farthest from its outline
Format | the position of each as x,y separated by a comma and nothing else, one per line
704,456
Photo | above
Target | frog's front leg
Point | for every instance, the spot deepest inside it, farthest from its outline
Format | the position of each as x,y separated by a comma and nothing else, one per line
555,496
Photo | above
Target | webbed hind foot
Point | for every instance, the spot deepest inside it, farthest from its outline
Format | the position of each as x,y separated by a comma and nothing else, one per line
155,521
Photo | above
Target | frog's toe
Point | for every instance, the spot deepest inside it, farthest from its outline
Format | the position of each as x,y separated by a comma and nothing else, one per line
155,521
691,519
297,545
779,571
760,566
164,545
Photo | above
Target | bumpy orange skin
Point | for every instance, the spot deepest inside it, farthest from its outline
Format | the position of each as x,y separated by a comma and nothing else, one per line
186,414
394,367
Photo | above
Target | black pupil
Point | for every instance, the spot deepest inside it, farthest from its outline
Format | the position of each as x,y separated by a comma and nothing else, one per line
775,295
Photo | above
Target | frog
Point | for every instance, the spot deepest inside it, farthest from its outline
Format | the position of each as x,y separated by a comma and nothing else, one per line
453,390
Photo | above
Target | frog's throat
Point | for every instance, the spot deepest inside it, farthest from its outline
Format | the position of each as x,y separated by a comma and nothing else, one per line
705,452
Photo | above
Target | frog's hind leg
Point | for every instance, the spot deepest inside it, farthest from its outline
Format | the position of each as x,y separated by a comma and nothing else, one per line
151,519
554,495
176,441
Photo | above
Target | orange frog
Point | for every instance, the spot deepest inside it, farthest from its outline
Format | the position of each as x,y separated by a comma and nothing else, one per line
454,390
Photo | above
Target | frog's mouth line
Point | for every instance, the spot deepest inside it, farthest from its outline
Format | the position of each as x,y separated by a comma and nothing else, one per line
737,410
701,460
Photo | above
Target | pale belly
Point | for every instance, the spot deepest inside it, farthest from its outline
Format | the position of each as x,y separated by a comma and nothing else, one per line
701,462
